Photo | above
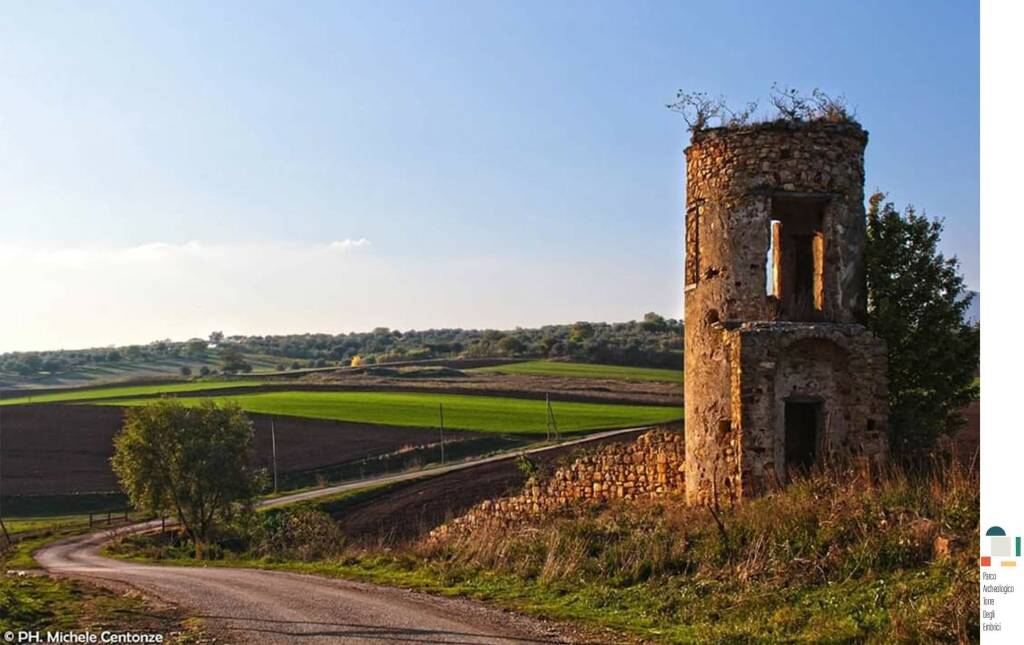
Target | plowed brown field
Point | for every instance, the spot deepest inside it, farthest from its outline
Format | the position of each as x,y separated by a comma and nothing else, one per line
54,449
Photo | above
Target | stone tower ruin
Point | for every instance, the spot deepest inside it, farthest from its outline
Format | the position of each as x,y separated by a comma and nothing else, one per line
780,372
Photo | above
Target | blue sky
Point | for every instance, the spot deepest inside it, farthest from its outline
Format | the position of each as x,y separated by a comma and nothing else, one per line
168,169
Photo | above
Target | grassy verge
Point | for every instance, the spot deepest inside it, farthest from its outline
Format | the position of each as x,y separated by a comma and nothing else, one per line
127,390
834,558
18,525
587,370
462,412
44,604
900,607
30,534
19,555
65,525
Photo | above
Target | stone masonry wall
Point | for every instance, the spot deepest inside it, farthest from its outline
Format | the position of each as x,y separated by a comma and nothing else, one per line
738,180
842,364
732,177
650,466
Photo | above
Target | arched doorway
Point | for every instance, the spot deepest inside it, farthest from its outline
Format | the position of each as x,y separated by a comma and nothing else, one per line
811,388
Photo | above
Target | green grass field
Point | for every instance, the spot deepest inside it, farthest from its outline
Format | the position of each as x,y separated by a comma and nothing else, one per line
482,413
16,525
127,390
587,370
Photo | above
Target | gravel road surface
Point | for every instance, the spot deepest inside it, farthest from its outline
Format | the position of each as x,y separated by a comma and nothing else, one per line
255,606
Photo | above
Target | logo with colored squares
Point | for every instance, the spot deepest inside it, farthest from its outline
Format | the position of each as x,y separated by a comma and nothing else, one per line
1001,548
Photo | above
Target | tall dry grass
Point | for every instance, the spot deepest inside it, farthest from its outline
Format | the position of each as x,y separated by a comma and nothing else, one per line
838,526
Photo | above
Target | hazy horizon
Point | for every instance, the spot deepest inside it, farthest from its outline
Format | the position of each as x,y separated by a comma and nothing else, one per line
169,170
342,332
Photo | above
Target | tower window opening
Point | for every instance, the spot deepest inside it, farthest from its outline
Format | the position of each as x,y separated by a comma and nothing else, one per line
773,270
803,271
692,245
795,268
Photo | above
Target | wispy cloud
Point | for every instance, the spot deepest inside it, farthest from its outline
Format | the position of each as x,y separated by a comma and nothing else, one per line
347,244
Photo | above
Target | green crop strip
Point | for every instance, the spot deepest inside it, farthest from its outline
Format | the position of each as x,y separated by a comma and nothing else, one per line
481,413
126,391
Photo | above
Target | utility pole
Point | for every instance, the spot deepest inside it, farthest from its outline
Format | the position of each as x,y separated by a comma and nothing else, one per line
273,448
440,410
547,418
552,423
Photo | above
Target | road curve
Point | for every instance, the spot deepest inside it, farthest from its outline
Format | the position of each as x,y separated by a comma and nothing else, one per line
253,605
250,605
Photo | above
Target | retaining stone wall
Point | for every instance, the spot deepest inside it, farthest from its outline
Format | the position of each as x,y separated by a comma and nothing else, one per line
650,466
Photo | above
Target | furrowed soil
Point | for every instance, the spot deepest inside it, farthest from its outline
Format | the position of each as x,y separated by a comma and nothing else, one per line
520,386
59,449
384,379
53,449
511,385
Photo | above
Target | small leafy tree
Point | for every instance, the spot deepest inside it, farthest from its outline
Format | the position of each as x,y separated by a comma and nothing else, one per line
195,348
510,346
527,466
916,303
652,322
234,361
581,331
34,362
192,462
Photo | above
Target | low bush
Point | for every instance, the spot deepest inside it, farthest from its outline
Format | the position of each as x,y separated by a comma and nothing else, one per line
304,534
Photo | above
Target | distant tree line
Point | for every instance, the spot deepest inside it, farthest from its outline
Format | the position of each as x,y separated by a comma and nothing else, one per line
58,361
653,341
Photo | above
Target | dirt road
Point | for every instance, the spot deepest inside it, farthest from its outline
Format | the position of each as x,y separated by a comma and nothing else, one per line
276,607
247,605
